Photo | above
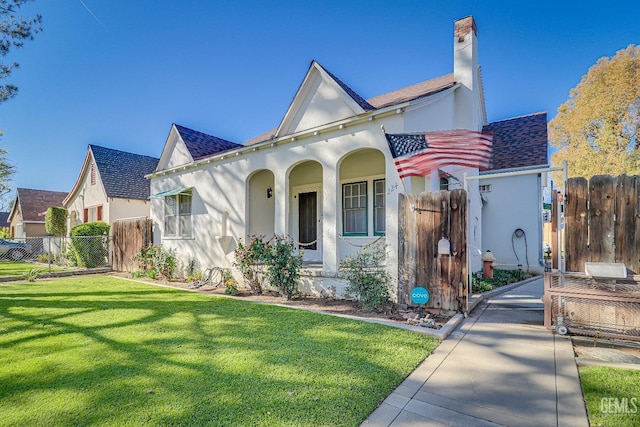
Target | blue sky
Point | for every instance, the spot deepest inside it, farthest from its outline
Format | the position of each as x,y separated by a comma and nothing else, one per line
118,73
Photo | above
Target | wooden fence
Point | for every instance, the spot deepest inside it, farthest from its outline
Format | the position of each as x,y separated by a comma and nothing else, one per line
423,220
602,218
129,236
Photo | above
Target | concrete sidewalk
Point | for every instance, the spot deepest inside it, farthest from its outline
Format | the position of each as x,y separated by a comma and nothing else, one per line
500,367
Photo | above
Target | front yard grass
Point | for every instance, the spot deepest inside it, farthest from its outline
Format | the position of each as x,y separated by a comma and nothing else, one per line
15,268
102,350
21,268
612,396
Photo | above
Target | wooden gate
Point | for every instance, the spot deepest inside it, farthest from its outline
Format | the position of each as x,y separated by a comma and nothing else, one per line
129,236
423,220
603,221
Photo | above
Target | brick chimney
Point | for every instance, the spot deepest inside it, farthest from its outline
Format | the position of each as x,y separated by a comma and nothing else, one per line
469,102
464,26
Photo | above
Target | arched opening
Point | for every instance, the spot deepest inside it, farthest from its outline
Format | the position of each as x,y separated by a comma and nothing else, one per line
305,221
362,199
261,204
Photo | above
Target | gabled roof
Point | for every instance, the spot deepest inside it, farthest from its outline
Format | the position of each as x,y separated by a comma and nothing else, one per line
406,94
519,142
410,93
202,145
122,173
4,219
33,203
359,100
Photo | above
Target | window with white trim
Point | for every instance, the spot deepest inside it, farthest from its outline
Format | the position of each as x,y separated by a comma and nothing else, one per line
379,208
177,215
485,188
354,209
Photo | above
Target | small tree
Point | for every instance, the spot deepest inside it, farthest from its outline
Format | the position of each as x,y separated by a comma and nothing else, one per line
55,221
89,244
284,264
248,259
367,276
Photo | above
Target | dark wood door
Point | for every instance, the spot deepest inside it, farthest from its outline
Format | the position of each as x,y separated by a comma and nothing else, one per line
308,220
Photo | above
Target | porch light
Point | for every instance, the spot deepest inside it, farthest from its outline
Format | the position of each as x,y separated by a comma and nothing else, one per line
269,193
444,247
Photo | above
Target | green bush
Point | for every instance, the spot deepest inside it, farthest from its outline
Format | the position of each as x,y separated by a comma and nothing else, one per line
89,244
156,262
368,279
279,256
283,265
248,259
230,284
500,278
55,221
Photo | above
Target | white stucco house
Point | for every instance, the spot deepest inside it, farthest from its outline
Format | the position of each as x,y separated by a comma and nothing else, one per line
324,175
111,185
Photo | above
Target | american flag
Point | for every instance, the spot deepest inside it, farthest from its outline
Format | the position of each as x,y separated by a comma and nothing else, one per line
419,154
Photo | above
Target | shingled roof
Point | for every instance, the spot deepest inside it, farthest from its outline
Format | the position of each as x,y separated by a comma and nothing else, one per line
33,203
202,145
519,142
359,100
4,219
122,173
409,93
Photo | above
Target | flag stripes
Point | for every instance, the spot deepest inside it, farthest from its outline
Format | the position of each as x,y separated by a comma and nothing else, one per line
421,154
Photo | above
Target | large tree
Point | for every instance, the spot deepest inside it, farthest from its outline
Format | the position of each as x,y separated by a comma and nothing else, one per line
14,31
597,130
6,174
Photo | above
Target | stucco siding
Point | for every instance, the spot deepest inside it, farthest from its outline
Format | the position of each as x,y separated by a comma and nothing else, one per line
513,204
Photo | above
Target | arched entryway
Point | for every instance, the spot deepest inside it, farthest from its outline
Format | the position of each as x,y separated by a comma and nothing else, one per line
305,222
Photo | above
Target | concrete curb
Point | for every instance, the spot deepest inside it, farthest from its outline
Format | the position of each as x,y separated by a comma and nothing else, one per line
505,288
581,361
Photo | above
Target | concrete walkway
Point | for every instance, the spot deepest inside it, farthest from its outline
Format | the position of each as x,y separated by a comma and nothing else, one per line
500,367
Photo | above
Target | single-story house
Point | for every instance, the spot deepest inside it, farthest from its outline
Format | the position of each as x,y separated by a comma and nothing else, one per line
28,209
325,175
111,185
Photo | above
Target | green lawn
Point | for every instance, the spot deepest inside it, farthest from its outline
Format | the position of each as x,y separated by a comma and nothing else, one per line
11,268
612,396
101,350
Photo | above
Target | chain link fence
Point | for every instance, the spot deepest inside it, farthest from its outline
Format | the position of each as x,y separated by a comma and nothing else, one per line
79,252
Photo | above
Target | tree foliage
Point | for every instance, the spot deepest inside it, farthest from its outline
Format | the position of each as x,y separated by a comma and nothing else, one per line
14,31
7,170
55,221
597,130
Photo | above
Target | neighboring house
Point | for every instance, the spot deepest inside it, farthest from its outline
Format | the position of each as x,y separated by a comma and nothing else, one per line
4,224
324,176
111,186
27,213
512,205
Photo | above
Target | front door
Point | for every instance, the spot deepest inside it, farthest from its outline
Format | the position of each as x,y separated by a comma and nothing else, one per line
309,225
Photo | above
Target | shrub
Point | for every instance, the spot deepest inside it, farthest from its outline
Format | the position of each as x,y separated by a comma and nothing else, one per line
55,221
280,258
284,264
368,279
230,284
500,278
157,262
45,258
248,259
89,244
